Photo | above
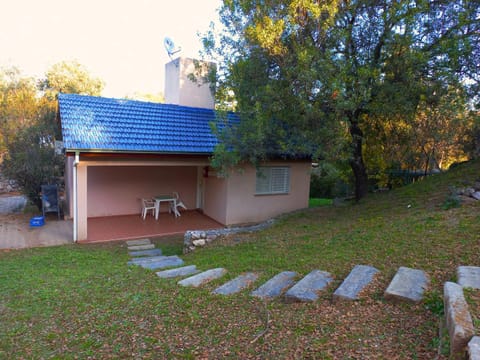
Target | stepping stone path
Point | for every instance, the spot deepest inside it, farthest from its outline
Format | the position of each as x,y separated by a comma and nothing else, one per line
238,284
469,276
407,285
177,272
203,278
355,282
276,285
306,290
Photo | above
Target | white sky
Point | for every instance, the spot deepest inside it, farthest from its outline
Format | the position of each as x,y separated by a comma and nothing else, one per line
119,41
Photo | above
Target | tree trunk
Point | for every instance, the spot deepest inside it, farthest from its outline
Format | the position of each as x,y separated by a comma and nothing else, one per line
356,162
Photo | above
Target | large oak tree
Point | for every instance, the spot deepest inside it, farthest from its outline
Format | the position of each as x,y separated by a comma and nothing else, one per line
299,72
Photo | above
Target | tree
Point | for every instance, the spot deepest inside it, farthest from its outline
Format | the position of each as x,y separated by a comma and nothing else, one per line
31,160
18,104
306,73
70,77
29,126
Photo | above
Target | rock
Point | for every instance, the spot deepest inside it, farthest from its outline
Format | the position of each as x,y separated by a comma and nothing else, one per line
210,238
476,195
238,284
407,285
469,276
138,242
458,320
141,247
195,235
474,348
181,271
276,285
469,191
150,252
306,290
199,242
355,282
203,278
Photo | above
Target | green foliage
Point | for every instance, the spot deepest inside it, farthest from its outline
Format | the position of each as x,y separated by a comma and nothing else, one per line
433,301
28,127
307,74
70,77
452,201
18,104
328,181
32,160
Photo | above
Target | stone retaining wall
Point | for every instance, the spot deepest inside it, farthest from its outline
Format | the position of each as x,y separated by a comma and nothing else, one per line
199,238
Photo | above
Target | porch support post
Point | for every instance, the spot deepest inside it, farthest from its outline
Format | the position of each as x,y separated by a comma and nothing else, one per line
81,202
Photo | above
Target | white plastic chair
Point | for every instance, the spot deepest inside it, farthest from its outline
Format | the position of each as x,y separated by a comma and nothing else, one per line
147,204
178,204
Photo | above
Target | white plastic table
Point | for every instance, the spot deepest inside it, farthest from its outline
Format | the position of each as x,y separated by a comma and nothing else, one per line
164,198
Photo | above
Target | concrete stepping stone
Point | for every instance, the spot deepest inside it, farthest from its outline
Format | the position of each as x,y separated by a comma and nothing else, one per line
474,348
160,262
141,247
150,252
407,285
238,284
203,278
276,285
469,276
138,242
306,290
169,261
177,272
146,259
458,319
355,282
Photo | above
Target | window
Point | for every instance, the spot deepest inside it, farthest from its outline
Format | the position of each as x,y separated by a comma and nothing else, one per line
273,180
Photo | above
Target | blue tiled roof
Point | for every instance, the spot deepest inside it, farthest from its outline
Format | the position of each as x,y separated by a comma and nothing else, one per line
93,123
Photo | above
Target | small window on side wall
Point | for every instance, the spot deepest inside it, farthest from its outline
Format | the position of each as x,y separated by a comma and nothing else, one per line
272,180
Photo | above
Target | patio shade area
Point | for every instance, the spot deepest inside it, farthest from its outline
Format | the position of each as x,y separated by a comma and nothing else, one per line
127,227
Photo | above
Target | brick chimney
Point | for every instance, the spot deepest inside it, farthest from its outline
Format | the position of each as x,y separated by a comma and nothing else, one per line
180,90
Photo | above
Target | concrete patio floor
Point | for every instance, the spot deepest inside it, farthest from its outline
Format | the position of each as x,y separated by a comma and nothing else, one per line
128,227
16,233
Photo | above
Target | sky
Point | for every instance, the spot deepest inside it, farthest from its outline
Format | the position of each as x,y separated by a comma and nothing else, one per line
119,41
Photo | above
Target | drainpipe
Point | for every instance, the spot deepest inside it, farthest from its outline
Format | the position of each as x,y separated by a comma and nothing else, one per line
75,195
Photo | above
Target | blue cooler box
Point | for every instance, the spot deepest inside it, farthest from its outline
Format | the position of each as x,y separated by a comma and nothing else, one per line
37,221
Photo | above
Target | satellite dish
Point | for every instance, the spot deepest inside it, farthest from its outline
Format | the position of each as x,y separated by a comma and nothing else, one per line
170,47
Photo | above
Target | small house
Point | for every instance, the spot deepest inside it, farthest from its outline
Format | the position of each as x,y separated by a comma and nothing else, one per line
119,151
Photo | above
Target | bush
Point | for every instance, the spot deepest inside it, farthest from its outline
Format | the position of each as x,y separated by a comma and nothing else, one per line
327,181
32,162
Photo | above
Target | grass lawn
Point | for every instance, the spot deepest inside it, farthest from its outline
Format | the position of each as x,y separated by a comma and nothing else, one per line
83,301
316,202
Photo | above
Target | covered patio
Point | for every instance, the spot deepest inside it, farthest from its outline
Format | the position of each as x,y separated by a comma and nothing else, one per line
125,227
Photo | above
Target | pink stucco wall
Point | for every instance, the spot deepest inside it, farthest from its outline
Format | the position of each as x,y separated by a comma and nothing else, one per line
215,198
117,190
233,201
243,206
